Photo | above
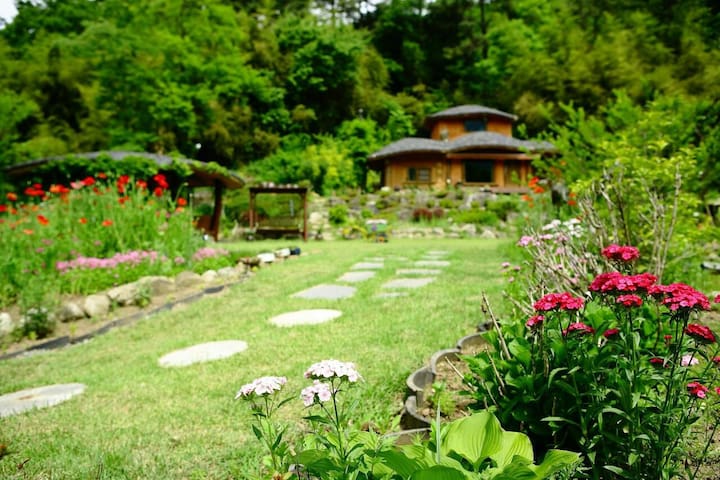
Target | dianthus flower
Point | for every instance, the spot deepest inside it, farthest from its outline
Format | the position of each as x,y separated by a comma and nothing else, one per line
525,240
611,332
697,389
580,328
679,296
717,299
615,282
333,369
716,360
689,360
657,361
534,321
629,300
700,333
559,301
321,391
261,386
621,253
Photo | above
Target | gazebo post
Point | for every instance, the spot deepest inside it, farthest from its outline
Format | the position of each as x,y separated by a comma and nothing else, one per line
251,213
217,211
305,215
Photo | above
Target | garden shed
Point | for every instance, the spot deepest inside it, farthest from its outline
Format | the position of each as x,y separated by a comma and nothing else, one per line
180,172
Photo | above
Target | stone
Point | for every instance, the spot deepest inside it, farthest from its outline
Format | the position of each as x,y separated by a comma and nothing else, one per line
96,305
367,266
356,276
432,263
282,253
266,257
468,229
70,311
408,282
204,352
40,397
326,292
6,324
209,276
227,272
375,259
305,317
417,271
188,279
158,285
438,253
124,294
489,234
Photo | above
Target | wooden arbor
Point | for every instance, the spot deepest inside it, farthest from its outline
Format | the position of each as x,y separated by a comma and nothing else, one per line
280,226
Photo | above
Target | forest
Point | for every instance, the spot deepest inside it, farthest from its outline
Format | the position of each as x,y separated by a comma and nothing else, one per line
286,90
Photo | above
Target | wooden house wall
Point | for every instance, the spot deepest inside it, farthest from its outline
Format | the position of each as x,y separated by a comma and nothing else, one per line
456,127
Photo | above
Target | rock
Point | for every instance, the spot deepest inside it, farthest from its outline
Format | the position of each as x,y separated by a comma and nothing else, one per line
96,305
124,294
70,311
209,276
158,285
469,229
486,233
188,279
282,253
227,272
6,324
266,257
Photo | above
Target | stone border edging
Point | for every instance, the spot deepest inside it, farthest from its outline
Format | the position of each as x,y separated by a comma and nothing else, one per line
64,341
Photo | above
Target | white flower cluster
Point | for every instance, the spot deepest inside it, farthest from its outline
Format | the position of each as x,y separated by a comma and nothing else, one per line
261,386
333,369
318,389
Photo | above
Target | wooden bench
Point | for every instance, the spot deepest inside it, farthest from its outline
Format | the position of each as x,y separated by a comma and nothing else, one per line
279,227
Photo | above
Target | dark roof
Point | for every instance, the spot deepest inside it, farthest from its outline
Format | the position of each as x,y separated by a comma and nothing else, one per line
203,175
470,141
462,111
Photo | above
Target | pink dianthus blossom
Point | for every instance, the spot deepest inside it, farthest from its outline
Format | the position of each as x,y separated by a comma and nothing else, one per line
615,282
621,253
333,369
679,296
558,301
580,328
611,332
697,389
688,360
261,386
717,299
525,240
629,300
318,390
534,321
700,333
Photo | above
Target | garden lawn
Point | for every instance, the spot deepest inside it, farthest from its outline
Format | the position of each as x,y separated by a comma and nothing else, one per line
138,420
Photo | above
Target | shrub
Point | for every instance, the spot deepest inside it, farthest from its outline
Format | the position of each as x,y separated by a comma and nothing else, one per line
338,214
476,216
447,203
502,207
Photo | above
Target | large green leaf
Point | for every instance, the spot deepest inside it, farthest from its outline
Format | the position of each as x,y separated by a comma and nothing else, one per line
474,438
407,459
438,472
554,461
513,443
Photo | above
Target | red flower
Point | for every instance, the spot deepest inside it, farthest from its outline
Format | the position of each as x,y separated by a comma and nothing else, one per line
141,184
538,189
35,191
580,328
700,333
717,299
657,361
679,296
182,202
717,390
160,181
621,253
534,321
102,175
12,197
123,180
87,181
611,332
561,301
533,181
697,389
43,220
615,282
107,223
158,192
83,220
122,200
571,203
3,208
629,300
716,360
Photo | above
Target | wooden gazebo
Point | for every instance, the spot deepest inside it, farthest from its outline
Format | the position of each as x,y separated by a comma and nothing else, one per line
279,226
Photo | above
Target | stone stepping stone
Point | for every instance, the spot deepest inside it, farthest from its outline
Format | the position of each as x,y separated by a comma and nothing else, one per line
367,266
356,276
305,317
326,292
40,397
391,295
432,263
417,271
408,282
204,352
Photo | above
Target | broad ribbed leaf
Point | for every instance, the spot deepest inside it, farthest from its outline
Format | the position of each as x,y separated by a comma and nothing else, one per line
554,461
474,438
513,443
438,472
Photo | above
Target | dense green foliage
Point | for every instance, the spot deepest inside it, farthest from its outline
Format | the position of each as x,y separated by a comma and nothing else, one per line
312,87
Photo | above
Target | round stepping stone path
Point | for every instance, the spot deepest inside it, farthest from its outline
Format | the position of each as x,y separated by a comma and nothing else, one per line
326,292
367,266
40,397
305,317
408,282
432,263
391,295
204,352
356,276
417,271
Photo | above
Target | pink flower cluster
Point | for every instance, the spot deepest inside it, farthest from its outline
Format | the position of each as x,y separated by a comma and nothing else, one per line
333,369
621,253
629,300
261,386
616,282
535,321
679,296
579,328
697,389
318,390
700,333
558,301
207,252
130,258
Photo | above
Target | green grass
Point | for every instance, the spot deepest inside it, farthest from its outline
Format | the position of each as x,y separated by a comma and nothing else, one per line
138,420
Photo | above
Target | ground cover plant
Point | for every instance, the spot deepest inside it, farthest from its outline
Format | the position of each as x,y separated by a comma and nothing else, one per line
137,420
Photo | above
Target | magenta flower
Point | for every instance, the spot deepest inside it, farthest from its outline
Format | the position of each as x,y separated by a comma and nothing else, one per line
579,328
534,321
333,369
688,360
700,333
611,333
318,391
558,301
615,282
679,296
621,253
629,300
261,386
697,389
657,362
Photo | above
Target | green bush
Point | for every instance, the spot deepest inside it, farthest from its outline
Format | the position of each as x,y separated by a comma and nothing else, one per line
502,207
476,216
448,203
338,214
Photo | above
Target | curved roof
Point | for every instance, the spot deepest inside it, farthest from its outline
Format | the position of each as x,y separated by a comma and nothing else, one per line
462,111
203,174
470,141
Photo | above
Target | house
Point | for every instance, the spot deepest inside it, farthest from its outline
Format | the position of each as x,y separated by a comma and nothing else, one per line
469,145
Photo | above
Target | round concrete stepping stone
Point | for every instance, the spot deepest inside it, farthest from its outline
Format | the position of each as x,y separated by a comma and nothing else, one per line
367,266
417,271
305,317
327,292
204,352
432,263
40,397
408,282
391,295
356,276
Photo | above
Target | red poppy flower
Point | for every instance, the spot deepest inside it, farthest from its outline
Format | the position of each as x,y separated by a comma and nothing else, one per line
158,192
107,223
160,181
3,208
43,220
12,197
102,175
141,184
82,220
87,181
181,202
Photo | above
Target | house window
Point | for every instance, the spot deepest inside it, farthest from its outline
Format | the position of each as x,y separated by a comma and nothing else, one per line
420,175
475,125
479,171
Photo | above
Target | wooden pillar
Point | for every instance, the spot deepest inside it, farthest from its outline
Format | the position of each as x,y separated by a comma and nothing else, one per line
305,214
217,211
251,213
